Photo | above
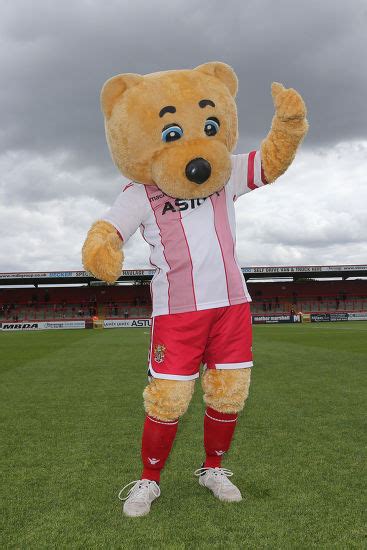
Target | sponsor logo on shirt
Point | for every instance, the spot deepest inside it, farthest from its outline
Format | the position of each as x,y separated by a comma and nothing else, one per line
157,197
180,204
219,453
153,460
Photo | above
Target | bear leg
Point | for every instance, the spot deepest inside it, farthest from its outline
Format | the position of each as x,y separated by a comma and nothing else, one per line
165,401
226,390
225,393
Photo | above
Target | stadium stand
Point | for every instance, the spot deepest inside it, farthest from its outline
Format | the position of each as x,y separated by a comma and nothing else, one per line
311,296
67,303
87,298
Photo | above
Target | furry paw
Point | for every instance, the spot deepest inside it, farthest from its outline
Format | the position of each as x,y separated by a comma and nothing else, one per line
288,103
102,252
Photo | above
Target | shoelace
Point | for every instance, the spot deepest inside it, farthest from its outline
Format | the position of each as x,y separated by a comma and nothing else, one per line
139,489
223,472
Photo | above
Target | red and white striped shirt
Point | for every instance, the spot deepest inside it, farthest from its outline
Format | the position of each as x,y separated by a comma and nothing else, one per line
192,242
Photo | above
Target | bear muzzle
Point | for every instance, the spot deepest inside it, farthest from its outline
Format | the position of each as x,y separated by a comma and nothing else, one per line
198,170
193,169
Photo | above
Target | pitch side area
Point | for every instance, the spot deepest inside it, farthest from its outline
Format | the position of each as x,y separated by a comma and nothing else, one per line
72,412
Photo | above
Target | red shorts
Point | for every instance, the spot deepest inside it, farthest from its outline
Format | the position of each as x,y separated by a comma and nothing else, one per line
220,338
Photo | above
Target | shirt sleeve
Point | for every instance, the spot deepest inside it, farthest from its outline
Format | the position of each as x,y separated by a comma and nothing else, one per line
247,173
128,211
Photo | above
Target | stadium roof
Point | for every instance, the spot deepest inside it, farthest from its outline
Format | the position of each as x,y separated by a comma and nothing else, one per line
141,275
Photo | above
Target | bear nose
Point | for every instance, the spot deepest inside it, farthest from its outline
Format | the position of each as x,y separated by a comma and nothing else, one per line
198,170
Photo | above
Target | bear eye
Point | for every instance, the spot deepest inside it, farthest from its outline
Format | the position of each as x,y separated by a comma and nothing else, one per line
211,126
172,132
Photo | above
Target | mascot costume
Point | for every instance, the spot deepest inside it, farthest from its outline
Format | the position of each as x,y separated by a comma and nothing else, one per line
172,134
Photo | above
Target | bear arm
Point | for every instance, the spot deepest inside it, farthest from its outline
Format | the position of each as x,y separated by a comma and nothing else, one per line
102,252
289,127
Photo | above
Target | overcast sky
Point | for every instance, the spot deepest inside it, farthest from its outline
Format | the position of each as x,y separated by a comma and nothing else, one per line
56,173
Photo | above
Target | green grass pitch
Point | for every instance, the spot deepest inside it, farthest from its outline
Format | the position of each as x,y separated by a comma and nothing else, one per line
71,418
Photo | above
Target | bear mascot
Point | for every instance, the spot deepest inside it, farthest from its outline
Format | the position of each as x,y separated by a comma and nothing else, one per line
172,134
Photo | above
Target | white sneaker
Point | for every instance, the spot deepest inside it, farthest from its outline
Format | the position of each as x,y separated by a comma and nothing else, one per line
140,497
216,479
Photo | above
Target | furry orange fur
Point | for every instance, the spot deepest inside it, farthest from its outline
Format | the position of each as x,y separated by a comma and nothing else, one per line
131,105
133,126
102,252
168,399
226,390
289,127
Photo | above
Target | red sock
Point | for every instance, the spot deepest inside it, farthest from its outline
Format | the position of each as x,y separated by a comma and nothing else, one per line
158,437
218,432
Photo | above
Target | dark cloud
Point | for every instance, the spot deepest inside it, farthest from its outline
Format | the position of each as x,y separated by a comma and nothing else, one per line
315,214
56,56
56,173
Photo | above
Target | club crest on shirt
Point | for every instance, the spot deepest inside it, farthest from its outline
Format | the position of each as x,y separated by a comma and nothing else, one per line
159,353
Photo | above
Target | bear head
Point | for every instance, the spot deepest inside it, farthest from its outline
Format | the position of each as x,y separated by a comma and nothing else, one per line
173,129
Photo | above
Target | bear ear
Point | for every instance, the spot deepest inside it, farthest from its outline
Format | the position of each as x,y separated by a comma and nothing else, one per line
115,87
224,72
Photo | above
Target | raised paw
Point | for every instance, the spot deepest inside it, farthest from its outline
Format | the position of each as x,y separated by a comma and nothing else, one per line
288,103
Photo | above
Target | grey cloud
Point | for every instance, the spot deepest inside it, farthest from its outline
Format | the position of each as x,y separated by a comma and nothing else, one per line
56,56
56,172
314,214
34,179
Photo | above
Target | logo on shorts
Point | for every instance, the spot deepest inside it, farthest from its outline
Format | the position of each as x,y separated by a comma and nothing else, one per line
159,352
